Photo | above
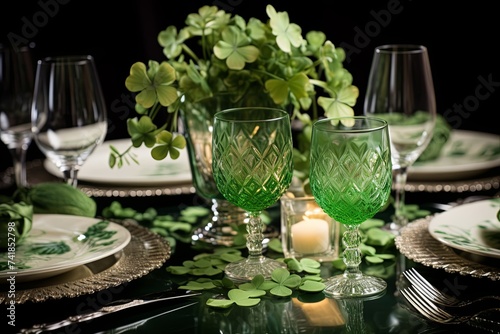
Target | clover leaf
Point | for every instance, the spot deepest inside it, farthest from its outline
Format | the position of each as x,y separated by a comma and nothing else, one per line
142,131
279,89
195,211
153,85
413,211
378,237
286,33
231,257
167,143
197,286
178,270
367,250
283,282
339,264
171,41
207,19
235,48
315,39
219,303
371,223
238,297
275,245
245,298
311,286
374,259
340,106
309,266
254,284
172,226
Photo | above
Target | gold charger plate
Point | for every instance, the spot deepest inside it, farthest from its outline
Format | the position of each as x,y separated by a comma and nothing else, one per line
145,252
418,245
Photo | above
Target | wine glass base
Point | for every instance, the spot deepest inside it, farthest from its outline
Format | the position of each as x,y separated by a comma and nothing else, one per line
354,286
245,270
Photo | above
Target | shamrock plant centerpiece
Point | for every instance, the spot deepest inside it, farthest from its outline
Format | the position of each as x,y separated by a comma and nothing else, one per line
252,61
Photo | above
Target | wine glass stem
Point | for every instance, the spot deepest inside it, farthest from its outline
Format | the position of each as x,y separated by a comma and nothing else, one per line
70,176
19,162
255,234
352,254
399,201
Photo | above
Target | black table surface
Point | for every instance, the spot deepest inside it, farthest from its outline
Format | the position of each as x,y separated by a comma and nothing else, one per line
388,313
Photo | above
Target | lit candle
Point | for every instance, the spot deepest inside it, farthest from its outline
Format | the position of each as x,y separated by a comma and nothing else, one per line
311,236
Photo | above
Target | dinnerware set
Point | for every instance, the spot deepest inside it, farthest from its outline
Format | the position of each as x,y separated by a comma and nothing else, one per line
263,140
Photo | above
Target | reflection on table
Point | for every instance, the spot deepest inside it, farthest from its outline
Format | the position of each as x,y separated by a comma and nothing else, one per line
388,313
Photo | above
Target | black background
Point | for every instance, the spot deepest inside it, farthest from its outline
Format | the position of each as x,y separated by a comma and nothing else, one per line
463,42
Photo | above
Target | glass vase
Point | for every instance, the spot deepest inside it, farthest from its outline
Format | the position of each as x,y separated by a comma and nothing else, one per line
197,125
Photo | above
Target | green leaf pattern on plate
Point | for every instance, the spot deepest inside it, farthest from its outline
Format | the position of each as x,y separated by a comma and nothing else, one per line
93,239
97,236
48,248
487,152
489,234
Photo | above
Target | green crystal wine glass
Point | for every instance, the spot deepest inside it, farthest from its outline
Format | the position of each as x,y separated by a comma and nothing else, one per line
351,179
252,166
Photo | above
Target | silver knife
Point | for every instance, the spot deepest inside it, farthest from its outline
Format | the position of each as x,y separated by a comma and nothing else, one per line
75,319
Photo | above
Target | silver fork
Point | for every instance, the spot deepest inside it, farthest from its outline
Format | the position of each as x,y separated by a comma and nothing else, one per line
423,287
434,313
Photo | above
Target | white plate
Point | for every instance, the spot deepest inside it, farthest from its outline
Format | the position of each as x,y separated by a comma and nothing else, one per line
52,247
465,154
472,227
147,173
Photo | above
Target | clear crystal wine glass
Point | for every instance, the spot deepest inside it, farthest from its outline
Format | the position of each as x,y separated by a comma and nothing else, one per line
400,90
252,167
16,90
68,112
351,178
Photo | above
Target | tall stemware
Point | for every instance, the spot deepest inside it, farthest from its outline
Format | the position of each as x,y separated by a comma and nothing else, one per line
400,90
252,167
351,178
68,112
16,91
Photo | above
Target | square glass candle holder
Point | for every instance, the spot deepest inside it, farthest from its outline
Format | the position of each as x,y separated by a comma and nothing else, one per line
307,231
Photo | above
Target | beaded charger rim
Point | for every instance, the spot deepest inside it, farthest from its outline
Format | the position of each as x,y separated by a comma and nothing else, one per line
418,245
145,252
